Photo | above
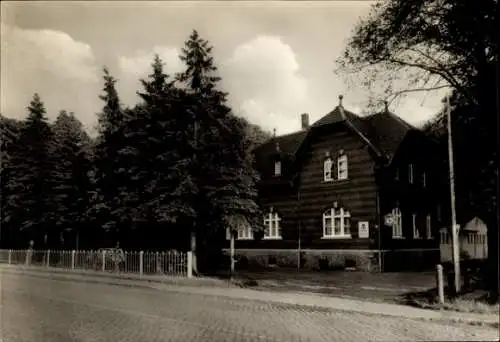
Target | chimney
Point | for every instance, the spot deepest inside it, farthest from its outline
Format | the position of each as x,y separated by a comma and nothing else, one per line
304,119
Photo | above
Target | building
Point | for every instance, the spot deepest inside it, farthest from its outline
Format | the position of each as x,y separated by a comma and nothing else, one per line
348,191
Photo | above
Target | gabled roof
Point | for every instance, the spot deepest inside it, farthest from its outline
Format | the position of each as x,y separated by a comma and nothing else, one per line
383,132
386,130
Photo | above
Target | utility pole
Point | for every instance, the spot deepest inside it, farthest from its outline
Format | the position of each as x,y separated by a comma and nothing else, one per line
454,227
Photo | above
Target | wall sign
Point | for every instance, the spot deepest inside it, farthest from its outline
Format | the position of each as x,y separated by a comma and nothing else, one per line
363,229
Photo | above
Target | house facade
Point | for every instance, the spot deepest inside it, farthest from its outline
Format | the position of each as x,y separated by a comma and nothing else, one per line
348,191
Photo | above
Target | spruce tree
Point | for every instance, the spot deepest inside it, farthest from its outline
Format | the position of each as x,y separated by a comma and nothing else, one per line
28,192
110,176
166,184
9,135
222,166
71,177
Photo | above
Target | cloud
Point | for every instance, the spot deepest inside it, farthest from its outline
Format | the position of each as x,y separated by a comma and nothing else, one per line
61,69
265,85
53,51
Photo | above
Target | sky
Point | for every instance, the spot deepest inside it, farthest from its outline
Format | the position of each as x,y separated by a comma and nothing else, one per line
276,59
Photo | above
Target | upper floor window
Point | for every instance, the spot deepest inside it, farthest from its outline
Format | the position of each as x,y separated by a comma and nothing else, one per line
428,227
277,168
327,169
397,223
336,223
272,225
410,173
342,167
416,233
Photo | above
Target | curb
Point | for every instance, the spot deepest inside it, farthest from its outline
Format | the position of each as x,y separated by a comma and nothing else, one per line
194,286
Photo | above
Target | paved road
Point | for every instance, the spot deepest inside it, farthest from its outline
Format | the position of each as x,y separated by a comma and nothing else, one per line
40,309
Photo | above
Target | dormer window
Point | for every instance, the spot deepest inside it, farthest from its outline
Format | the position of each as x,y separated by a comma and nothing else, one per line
342,167
277,168
327,169
410,173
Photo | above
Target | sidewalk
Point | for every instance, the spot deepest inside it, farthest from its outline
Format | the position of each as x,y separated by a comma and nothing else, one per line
214,287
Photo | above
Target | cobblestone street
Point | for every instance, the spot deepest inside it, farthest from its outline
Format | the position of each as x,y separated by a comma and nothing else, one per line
41,309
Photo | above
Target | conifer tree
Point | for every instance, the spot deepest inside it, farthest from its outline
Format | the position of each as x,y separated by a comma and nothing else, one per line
71,177
222,166
107,208
28,192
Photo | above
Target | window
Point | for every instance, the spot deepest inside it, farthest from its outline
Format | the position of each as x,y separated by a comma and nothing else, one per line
245,233
272,225
342,167
336,223
410,173
428,226
416,234
277,168
397,223
327,169
424,180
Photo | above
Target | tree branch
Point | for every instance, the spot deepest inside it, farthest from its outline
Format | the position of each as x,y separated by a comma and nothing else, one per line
415,90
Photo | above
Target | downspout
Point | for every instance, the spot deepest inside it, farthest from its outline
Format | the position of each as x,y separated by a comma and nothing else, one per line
379,230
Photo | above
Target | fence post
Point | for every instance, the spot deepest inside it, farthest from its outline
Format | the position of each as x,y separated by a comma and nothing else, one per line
103,260
156,262
189,264
10,256
73,259
439,283
141,263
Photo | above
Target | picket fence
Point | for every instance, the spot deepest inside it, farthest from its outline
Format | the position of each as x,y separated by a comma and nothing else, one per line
172,263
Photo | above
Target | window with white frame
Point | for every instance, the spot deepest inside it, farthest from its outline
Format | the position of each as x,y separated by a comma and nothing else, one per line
245,232
428,226
397,223
342,167
277,168
327,169
272,225
410,173
336,223
416,234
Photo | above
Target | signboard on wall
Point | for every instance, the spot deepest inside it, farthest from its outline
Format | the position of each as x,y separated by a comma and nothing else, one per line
388,220
363,229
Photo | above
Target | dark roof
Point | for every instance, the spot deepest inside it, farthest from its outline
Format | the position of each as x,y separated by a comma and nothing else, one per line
334,116
384,131
288,143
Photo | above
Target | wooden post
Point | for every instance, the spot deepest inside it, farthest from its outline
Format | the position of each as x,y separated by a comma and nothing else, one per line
193,251
73,252
103,260
10,256
232,253
454,226
439,283
48,257
189,264
141,263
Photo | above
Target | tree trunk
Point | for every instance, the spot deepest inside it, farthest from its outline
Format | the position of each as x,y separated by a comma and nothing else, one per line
492,263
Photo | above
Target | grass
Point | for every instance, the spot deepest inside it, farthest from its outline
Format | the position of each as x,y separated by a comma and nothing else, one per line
475,301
